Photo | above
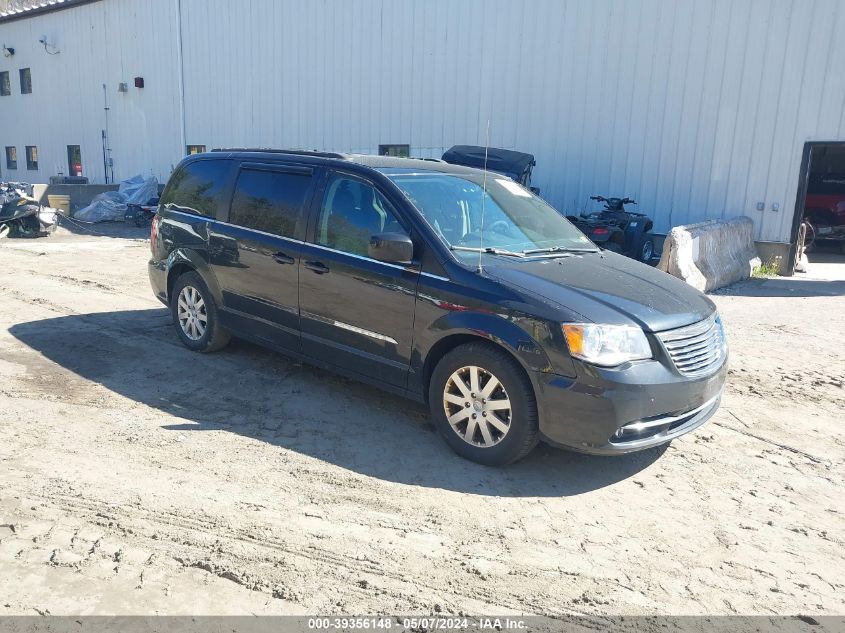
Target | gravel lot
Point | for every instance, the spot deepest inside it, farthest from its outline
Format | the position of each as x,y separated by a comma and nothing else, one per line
137,477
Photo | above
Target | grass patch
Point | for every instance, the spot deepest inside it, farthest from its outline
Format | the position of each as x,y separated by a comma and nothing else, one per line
766,270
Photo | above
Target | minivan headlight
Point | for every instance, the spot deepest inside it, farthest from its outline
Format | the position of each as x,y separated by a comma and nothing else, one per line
606,345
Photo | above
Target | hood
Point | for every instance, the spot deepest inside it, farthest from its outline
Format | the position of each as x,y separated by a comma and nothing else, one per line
606,288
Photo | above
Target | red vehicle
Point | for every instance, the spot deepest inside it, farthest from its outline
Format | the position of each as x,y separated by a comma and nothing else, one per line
824,207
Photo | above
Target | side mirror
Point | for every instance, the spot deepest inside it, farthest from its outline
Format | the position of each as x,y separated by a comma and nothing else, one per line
393,248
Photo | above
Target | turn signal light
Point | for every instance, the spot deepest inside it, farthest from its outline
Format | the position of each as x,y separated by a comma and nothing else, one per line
574,338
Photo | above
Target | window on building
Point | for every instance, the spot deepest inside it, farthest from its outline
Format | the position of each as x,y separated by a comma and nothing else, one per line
32,157
11,157
195,149
5,84
198,187
26,81
74,160
270,201
401,151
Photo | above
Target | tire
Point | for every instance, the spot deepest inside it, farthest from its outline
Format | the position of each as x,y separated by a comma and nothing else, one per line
515,431
646,250
197,300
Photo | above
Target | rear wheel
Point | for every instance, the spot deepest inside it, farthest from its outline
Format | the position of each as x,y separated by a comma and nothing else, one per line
195,315
483,404
646,251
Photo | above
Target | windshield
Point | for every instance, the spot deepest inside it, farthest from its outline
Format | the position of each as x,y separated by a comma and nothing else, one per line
516,221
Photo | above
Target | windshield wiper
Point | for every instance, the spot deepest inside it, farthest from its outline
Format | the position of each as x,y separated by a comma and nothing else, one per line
559,249
488,249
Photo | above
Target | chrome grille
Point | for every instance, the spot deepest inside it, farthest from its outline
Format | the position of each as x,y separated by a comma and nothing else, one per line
698,348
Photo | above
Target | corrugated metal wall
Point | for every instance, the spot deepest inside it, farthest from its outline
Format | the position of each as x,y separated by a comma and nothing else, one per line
697,109
108,43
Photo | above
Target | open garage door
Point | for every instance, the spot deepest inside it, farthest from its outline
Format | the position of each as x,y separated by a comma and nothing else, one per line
821,200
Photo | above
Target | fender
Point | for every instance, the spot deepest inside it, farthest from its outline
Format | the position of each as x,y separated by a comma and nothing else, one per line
511,333
516,333
187,257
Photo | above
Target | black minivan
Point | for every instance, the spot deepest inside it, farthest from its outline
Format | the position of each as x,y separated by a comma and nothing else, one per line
451,285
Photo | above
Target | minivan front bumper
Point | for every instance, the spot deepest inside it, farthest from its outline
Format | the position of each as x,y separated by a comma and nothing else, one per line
622,410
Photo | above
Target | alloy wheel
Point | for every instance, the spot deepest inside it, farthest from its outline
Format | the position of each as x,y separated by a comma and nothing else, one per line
192,314
477,406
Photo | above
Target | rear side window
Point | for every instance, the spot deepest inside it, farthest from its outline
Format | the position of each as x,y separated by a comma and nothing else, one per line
198,187
270,201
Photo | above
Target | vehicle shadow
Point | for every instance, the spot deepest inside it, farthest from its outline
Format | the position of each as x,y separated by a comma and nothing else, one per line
118,229
784,287
253,392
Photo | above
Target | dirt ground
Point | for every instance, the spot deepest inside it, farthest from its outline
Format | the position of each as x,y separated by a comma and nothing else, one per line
139,478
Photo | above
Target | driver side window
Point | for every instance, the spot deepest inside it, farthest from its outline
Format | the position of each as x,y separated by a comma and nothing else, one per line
353,211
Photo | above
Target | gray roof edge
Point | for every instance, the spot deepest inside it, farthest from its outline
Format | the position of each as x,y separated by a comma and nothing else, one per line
47,6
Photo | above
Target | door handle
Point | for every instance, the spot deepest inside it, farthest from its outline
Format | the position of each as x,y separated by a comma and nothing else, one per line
318,267
281,258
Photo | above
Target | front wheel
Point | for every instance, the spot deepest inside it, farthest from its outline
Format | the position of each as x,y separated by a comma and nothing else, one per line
483,405
195,315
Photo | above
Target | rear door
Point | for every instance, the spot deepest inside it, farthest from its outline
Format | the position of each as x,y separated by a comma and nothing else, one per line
357,313
255,254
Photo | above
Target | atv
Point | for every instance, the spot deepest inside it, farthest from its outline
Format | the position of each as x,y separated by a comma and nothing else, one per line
615,229
21,215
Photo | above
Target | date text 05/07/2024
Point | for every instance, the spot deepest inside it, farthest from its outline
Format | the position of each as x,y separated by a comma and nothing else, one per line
418,623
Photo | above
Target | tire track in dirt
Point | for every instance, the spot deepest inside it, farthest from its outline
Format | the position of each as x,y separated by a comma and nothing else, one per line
824,388
77,281
36,301
230,566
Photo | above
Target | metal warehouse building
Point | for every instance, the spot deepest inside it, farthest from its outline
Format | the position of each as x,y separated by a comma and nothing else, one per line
697,109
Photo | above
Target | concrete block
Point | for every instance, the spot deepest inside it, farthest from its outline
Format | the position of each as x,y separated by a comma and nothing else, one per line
711,254
80,195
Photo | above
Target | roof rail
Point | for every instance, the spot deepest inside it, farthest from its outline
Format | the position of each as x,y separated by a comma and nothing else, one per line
298,152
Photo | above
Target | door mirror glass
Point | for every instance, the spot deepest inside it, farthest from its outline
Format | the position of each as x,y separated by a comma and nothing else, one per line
394,248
